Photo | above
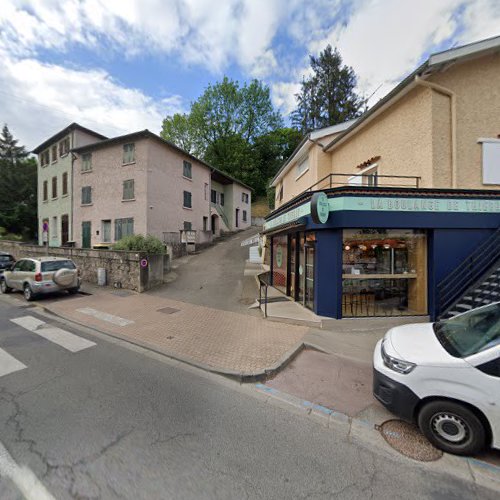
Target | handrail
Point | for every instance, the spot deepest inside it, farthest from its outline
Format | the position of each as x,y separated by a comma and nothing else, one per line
330,178
222,214
478,265
264,281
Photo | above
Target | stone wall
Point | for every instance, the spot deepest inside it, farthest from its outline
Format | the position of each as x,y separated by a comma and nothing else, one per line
123,268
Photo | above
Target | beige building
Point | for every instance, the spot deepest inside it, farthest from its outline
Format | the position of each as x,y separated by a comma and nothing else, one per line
55,178
439,128
141,184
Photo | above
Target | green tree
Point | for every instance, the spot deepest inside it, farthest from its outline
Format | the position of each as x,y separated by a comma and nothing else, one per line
18,180
328,96
223,127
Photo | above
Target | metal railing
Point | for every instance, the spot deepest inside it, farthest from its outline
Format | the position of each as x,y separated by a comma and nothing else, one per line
366,181
221,213
468,275
264,282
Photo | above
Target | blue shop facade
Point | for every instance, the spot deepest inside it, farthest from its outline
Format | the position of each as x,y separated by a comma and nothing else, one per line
358,252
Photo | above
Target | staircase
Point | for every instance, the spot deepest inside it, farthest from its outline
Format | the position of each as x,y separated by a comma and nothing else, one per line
222,215
474,283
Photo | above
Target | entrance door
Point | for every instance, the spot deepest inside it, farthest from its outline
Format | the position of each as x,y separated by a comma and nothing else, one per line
106,231
86,234
237,217
64,229
309,276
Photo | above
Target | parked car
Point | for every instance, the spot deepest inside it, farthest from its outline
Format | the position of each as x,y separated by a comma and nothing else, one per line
445,376
40,276
6,261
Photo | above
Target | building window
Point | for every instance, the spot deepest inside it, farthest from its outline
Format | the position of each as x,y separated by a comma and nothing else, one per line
302,167
54,187
54,153
53,229
45,158
86,195
205,223
86,162
64,147
128,189
280,193
187,200
188,226
65,183
397,260
128,153
206,191
244,215
213,196
187,170
45,190
244,197
491,161
124,227
222,199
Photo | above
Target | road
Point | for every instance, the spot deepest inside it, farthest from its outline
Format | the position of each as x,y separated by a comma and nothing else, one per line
115,421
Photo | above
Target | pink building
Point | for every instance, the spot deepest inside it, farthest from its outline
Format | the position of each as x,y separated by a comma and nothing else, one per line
141,184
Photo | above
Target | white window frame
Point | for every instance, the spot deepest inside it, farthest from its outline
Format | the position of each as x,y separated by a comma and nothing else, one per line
490,176
362,175
302,161
87,162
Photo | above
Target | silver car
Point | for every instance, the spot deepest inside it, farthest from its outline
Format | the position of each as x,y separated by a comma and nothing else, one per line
42,275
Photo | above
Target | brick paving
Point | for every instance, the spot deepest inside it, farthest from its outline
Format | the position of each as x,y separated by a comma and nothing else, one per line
221,340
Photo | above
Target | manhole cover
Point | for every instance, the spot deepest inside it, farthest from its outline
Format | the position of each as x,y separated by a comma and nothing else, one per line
168,310
409,441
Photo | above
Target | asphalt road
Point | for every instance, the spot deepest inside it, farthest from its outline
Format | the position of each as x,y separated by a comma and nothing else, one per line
114,421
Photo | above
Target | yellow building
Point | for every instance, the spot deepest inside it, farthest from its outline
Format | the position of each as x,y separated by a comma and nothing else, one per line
439,128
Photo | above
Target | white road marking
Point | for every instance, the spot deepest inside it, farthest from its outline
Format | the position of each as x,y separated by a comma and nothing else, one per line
9,364
25,480
110,318
69,341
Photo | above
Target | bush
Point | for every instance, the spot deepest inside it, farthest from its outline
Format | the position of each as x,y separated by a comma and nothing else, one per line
4,235
139,243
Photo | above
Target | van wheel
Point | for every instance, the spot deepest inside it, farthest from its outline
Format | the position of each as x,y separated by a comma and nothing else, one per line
4,288
28,293
452,427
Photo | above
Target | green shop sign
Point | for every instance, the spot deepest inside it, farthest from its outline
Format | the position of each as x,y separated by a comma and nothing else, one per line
320,209
386,204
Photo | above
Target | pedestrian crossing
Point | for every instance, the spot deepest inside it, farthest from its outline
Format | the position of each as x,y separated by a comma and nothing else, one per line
68,341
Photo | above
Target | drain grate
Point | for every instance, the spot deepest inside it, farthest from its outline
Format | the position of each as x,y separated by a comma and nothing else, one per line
409,441
168,310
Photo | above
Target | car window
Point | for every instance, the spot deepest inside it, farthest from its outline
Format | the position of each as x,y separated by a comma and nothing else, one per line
470,333
55,265
5,258
18,265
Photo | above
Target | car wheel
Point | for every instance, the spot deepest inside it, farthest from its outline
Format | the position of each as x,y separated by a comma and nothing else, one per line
4,288
28,293
452,427
72,291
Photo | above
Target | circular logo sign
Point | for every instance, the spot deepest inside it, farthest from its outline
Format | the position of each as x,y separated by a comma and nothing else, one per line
144,263
279,255
320,209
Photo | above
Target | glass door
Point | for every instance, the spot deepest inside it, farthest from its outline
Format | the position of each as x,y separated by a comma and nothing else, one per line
309,276
301,267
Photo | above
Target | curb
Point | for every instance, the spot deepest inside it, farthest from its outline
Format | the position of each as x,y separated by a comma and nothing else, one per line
242,377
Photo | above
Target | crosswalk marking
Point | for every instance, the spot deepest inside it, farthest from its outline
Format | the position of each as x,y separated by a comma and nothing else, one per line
69,341
110,318
9,364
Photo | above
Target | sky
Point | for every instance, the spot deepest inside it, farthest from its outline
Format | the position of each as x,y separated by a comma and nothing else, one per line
117,66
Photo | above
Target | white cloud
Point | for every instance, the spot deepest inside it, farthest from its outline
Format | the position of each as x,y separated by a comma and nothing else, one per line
283,94
37,99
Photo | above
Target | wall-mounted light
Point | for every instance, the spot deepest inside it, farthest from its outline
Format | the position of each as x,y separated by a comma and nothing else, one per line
362,247
387,246
347,247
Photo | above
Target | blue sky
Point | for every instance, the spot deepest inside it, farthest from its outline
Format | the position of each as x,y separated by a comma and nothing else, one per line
121,65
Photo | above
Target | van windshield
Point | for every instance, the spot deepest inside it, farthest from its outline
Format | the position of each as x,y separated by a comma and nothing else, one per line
5,258
471,332
55,265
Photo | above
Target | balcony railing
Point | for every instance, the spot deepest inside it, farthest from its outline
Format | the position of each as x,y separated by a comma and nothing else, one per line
365,180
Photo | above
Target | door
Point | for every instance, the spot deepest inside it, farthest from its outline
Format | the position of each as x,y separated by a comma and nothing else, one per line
106,231
14,277
309,276
86,234
237,217
64,229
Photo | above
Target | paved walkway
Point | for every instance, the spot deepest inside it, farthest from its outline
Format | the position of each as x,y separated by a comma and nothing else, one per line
219,340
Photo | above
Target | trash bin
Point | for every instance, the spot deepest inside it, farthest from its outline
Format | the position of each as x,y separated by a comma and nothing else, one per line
101,276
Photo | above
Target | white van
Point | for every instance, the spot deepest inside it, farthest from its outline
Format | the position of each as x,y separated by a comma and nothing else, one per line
445,376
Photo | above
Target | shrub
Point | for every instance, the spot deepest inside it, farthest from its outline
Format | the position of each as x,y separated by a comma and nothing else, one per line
139,243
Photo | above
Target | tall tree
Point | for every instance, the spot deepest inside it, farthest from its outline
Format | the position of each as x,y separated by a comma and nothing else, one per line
328,96
18,202
223,126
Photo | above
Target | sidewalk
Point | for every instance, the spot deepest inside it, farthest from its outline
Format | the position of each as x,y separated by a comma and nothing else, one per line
221,341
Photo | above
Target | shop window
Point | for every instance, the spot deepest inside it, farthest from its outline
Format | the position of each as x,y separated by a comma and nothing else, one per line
384,272
280,256
491,161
